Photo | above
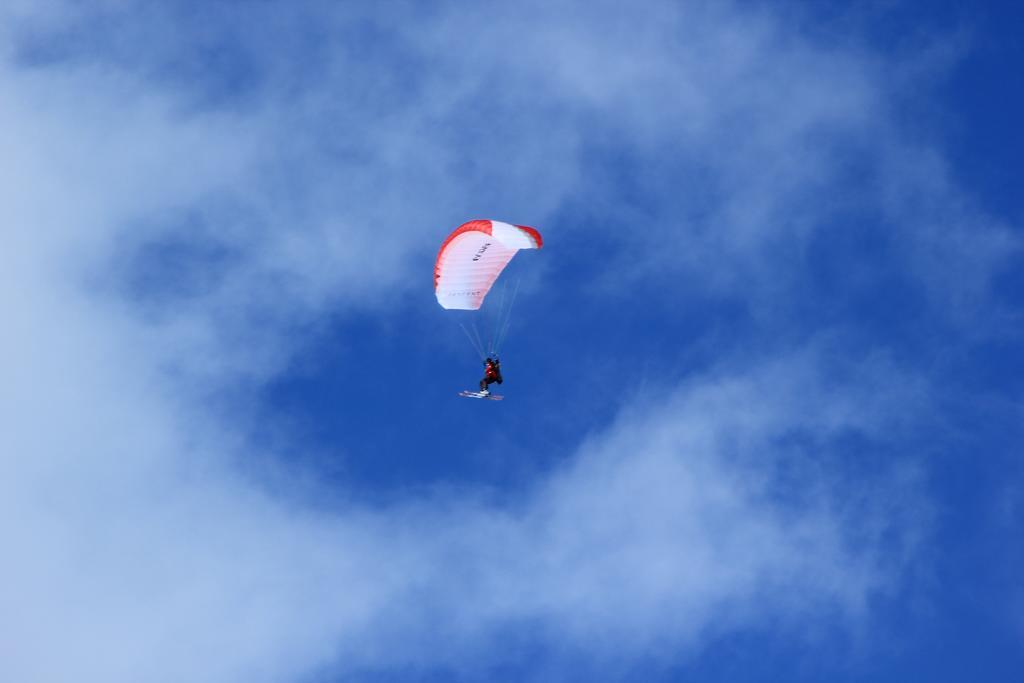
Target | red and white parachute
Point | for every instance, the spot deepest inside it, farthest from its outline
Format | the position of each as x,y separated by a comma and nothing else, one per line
472,258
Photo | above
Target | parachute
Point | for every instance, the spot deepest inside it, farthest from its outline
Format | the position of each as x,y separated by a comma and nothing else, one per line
472,258
469,263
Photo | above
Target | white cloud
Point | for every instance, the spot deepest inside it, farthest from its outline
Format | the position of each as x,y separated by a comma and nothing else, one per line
136,554
343,160
135,551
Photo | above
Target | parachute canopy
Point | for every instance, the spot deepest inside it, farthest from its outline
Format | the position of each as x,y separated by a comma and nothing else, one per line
472,258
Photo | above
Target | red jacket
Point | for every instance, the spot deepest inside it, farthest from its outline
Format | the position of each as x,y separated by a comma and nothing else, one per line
491,370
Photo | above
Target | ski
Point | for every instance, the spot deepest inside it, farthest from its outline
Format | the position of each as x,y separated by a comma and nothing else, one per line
477,394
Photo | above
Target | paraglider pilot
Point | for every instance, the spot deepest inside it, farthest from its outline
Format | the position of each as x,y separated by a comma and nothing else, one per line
492,373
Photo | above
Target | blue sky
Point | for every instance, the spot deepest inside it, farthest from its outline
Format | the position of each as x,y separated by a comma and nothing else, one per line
763,382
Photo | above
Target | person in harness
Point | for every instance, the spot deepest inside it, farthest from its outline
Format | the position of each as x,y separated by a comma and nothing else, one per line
492,373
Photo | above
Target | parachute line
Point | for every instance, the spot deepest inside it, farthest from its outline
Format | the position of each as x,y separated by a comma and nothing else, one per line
479,341
496,327
508,319
472,342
